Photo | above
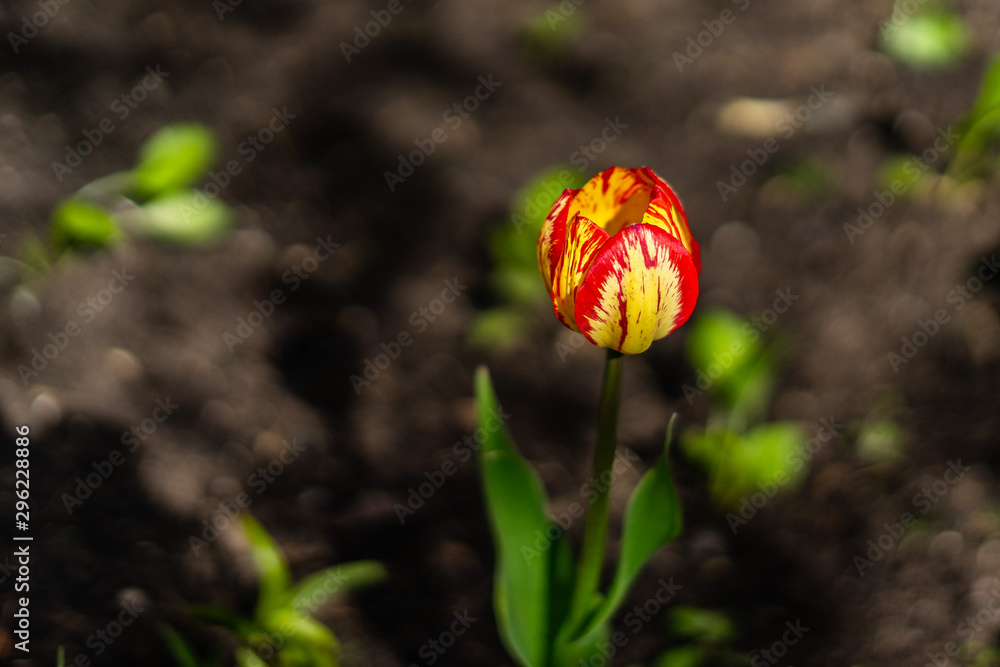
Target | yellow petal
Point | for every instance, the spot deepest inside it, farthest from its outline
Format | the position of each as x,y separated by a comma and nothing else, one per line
641,286
583,240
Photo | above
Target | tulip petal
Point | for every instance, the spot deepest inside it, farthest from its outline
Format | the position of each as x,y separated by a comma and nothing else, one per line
641,285
583,241
665,212
613,199
552,238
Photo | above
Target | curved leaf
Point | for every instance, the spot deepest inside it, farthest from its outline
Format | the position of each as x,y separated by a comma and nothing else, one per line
652,518
516,505
272,568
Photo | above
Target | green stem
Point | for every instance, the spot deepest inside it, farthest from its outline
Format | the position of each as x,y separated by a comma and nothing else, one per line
595,533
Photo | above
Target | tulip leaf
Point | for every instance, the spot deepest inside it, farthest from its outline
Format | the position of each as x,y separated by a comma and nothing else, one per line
652,518
516,505
175,156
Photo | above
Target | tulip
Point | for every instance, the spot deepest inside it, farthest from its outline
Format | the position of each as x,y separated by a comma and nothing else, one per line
619,260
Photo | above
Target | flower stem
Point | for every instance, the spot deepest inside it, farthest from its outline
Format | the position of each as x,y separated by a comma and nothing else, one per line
595,533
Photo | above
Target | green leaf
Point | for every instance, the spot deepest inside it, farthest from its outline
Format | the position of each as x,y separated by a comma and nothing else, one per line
927,40
317,589
701,625
652,518
186,217
183,655
176,156
683,656
722,352
981,130
79,223
247,658
225,618
497,328
301,628
275,579
516,505
739,465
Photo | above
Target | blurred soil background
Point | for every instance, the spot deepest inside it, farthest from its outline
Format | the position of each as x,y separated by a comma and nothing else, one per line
555,85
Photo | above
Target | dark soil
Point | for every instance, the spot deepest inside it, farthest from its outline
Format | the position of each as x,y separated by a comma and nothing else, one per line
323,180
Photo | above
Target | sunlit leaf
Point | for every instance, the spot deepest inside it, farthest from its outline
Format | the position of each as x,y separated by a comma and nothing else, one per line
174,157
701,625
927,39
272,569
80,223
185,218
317,589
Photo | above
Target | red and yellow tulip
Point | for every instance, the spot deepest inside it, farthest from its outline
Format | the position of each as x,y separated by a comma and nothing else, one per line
619,260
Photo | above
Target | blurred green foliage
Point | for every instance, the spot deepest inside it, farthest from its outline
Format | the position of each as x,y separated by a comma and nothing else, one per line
513,248
155,199
740,452
174,157
282,631
978,146
705,635
932,37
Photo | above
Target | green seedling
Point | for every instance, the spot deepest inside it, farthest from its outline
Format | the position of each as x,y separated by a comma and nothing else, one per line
740,452
155,199
282,631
